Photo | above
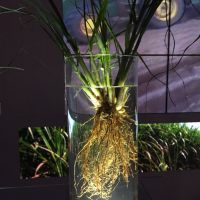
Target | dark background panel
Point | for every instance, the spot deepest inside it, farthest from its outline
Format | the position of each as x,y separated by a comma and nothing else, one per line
37,90
152,186
170,186
50,192
33,96
9,163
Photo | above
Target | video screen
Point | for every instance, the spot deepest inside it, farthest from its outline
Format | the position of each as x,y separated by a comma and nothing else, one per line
43,152
168,147
162,147
168,66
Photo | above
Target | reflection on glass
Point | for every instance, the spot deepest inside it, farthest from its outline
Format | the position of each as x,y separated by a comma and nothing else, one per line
184,81
154,41
152,84
186,31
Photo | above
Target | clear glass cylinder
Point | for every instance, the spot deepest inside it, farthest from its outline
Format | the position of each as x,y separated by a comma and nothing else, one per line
102,133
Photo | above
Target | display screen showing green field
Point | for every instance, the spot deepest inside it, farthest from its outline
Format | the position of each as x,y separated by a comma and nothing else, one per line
161,147
169,147
43,152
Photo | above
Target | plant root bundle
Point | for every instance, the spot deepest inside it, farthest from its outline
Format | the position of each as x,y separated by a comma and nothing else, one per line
107,155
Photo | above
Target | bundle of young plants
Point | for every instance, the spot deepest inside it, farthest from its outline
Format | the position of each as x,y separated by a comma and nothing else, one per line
109,151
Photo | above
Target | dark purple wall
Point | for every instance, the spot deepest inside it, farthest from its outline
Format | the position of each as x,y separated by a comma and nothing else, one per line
32,97
38,90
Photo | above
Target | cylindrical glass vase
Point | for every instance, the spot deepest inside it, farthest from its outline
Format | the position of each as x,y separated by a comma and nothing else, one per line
102,133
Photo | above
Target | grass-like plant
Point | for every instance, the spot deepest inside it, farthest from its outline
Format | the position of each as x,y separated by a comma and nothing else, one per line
111,140
46,149
167,147
162,147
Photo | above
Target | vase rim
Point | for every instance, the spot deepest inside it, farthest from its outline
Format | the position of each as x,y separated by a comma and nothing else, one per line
101,54
112,86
